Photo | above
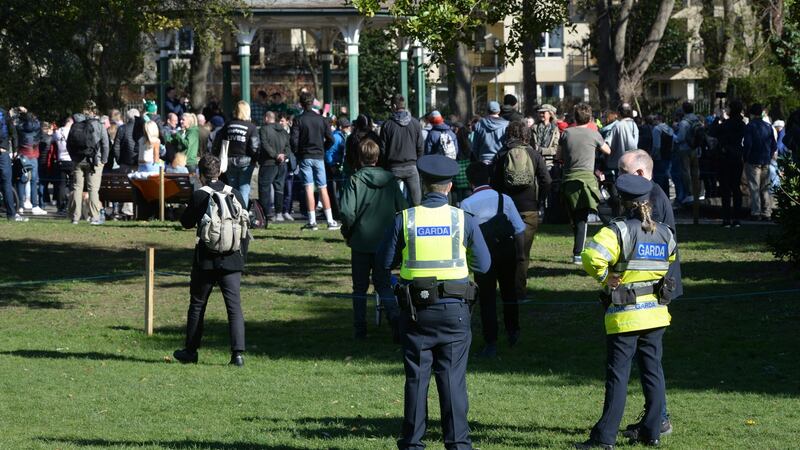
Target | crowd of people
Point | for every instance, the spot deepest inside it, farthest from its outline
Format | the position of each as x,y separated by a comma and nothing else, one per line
437,198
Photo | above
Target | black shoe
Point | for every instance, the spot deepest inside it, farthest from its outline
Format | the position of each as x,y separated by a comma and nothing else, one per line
513,338
646,442
591,443
185,356
632,430
237,360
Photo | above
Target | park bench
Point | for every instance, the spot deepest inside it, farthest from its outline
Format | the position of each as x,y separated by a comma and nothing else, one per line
118,187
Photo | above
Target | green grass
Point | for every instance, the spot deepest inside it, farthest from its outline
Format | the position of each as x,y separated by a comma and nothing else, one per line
76,371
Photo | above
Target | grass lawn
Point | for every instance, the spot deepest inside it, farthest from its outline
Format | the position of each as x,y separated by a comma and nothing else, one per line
76,371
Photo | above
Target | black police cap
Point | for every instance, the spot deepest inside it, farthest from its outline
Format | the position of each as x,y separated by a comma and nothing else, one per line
634,188
437,169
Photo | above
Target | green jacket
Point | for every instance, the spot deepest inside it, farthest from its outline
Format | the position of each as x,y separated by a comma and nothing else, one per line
579,190
189,143
369,202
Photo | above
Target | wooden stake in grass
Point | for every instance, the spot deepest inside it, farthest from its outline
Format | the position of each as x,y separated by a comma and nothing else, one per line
149,284
161,193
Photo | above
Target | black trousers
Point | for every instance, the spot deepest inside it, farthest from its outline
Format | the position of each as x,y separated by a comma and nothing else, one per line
502,272
579,218
271,179
439,340
65,169
363,267
730,187
621,348
202,282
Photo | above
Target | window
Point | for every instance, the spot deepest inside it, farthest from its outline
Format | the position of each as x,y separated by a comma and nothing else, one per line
551,44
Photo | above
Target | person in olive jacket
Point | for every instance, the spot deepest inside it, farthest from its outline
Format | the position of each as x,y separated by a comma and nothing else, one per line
370,200
272,161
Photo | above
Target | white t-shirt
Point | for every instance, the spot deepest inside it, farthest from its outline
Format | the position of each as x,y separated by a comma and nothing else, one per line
60,136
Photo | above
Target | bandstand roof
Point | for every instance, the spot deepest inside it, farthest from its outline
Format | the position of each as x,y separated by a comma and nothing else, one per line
309,13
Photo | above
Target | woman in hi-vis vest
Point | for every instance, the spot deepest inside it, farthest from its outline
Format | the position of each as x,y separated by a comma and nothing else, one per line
630,258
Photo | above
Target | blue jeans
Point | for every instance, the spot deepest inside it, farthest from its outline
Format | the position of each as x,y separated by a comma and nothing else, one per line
677,176
8,190
33,177
661,169
363,265
239,179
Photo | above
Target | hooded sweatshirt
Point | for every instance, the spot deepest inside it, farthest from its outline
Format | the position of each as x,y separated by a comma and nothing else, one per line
490,132
402,140
369,202
433,140
274,141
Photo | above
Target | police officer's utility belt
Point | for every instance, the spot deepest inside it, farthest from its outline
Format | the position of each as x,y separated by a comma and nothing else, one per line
626,294
426,291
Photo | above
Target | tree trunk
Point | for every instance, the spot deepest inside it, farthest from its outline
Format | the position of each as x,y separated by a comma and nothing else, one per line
530,99
608,75
632,77
728,44
200,63
459,83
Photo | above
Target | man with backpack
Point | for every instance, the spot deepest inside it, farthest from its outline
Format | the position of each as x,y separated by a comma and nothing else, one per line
7,131
503,231
87,144
219,256
689,138
521,173
440,139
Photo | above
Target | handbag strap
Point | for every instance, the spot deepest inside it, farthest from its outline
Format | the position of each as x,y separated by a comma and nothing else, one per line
499,203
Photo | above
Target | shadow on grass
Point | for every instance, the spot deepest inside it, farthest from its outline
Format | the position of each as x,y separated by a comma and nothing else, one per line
51,354
183,444
496,435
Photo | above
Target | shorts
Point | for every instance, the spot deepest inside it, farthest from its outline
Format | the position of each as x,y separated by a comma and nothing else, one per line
312,171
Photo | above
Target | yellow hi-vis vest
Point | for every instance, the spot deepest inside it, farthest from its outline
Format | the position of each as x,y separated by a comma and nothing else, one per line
434,243
642,259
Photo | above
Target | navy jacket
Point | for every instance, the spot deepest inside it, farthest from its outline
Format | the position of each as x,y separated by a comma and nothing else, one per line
759,143
662,212
390,250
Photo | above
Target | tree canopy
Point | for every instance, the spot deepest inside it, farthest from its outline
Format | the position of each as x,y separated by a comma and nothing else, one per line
58,57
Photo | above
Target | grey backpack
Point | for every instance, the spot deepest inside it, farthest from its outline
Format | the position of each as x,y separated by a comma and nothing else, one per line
224,223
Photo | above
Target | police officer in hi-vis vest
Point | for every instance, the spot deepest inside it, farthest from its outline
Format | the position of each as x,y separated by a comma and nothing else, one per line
630,258
439,244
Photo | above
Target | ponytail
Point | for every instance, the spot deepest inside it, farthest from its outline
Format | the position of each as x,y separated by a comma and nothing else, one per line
644,211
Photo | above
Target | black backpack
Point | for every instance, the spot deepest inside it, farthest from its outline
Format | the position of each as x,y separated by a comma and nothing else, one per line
498,232
83,139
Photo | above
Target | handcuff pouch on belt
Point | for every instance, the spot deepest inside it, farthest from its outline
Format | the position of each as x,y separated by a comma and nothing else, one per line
426,291
626,295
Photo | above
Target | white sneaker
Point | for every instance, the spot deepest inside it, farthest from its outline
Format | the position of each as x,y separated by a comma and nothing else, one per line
21,210
18,218
278,218
27,204
334,225
288,217
38,212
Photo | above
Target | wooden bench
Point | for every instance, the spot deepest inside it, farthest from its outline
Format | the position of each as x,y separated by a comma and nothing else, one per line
117,187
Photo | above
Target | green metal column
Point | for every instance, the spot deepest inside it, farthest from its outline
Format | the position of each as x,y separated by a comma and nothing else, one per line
352,79
326,58
404,73
163,80
244,70
227,100
419,57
